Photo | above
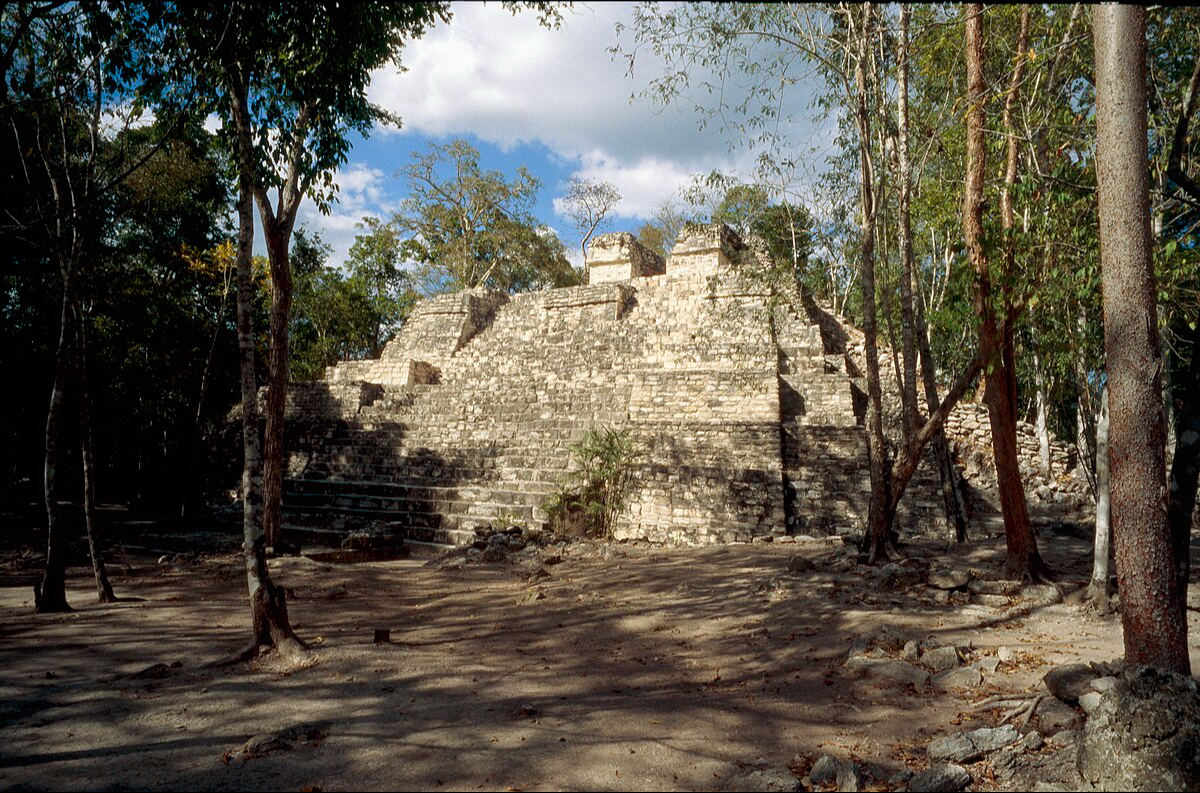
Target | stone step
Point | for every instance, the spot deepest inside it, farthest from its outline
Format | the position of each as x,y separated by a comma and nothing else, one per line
421,537
384,473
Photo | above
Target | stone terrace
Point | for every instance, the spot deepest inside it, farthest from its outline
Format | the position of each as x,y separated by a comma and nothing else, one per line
747,411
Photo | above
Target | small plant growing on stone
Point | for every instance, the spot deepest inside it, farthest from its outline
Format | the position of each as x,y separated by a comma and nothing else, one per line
597,487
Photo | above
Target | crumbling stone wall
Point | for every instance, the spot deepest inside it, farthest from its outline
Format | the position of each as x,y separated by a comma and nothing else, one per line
747,411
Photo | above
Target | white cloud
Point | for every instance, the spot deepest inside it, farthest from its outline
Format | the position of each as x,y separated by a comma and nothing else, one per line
644,184
361,195
508,81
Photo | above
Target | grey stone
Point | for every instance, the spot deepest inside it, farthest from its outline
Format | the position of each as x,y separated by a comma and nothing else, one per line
830,770
761,779
941,778
825,770
1006,655
849,779
969,746
494,553
962,677
940,658
800,564
940,596
889,669
1090,701
1033,741
1042,594
989,665
843,565
1104,684
911,651
1145,734
1054,716
263,744
985,599
948,579
1070,681
982,587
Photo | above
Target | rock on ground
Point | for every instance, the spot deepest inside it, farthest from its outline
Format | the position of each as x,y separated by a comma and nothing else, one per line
829,770
762,778
897,671
962,677
968,746
1070,681
944,778
1144,734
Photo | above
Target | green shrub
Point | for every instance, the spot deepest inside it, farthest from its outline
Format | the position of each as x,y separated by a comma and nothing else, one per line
595,491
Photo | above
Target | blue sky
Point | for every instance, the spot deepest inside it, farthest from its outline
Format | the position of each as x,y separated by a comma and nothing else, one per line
551,100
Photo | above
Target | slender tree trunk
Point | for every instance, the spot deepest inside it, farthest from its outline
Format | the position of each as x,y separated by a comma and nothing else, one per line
104,591
909,383
277,228
268,605
952,502
1098,587
53,594
906,464
1151,613
1084,448
876,540
995,339
914,319
1043,431
277,384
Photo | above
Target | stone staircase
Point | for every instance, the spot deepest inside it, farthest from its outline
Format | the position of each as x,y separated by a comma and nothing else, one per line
750,418
823,404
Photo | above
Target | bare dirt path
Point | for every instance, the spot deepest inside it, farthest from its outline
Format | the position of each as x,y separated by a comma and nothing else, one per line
620,667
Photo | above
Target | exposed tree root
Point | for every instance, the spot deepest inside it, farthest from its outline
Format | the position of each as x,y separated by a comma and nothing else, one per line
1024,707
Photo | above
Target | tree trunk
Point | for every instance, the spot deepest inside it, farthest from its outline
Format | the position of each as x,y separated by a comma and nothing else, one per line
995,340
104,591
277,228
277,384
1097,591
952,503
876,540
268,606
53,594
909,383
1151,612
906,465
1043,431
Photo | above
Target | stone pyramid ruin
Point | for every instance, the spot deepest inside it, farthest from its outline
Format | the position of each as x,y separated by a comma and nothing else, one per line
746,406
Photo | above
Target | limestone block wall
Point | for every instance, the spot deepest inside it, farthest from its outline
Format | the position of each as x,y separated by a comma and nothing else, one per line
748,415
619,257
437,328
692,370
969,432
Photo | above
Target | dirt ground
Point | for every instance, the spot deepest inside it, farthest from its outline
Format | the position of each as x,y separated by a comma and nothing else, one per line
619,667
